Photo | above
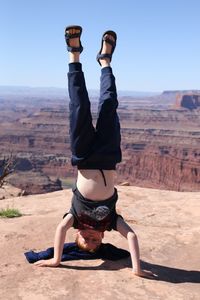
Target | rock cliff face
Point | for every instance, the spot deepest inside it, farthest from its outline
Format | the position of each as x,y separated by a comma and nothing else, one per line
189,101
161,148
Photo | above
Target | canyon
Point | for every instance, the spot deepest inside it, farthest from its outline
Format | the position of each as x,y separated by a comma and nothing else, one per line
160,141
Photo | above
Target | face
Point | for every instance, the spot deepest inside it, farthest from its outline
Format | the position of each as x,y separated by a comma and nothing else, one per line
89,239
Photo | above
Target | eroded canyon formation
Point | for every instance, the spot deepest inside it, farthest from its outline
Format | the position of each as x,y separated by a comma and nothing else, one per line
161,147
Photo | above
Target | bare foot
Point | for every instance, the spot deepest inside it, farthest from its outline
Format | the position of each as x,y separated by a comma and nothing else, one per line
106,49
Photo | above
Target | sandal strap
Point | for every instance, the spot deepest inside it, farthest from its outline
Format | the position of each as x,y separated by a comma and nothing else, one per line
75,49
101,56
71,36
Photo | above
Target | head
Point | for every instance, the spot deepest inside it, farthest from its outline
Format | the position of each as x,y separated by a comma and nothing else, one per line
89,239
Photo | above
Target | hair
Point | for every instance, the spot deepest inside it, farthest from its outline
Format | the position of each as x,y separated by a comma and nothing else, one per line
85,247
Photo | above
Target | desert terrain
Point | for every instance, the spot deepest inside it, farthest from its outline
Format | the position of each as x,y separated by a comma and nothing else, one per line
160,140
168,227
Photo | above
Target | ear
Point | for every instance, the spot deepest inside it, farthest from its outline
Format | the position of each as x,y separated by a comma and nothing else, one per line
78,233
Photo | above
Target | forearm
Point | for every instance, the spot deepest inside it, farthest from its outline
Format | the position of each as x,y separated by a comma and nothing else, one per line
59,242
133,244
134,251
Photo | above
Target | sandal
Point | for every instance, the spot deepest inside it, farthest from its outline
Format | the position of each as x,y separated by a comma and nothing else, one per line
69,36
109,41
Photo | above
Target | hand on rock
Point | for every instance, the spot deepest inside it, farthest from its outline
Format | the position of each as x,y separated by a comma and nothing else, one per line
46,263
145,274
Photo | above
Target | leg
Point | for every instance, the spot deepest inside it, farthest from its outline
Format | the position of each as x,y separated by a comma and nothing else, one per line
108,126
81,129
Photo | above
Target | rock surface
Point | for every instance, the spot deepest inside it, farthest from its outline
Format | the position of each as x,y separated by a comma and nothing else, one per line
168,227
34,182
9,191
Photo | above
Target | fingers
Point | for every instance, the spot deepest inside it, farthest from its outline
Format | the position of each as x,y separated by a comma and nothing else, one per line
46,263
146,274
149,274
40,263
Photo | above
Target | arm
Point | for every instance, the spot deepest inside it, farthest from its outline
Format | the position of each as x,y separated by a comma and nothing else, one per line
125,230
59,240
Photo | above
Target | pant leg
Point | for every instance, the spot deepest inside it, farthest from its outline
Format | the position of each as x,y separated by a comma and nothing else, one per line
81,129
108,126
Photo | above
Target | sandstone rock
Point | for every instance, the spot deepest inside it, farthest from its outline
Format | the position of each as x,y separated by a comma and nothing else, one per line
125,183
166,223
8,191
189,101
160,147
34,182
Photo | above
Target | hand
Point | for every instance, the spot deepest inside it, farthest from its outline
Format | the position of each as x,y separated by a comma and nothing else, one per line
145,274
46,263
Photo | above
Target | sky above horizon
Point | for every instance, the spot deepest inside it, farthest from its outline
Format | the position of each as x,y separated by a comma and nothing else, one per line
158,45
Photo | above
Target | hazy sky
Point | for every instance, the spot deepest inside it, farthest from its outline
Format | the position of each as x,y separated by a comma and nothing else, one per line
158,42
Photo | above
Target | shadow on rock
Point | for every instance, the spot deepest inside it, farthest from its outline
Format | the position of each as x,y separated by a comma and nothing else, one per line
107,265
163,273
172,275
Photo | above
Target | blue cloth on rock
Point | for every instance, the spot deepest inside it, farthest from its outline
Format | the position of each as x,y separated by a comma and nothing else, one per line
72,252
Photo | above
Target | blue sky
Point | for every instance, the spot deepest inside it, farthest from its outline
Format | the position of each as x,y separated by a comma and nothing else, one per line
158,42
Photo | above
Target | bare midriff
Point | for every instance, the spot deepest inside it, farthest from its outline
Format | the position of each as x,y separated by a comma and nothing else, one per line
91,185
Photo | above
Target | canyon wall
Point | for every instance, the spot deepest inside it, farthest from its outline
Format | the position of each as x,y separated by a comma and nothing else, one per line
161,147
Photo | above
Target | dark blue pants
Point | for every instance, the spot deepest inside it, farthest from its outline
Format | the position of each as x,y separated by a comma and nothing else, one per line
93,148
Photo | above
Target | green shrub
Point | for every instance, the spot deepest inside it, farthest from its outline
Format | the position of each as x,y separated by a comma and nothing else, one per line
10,213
